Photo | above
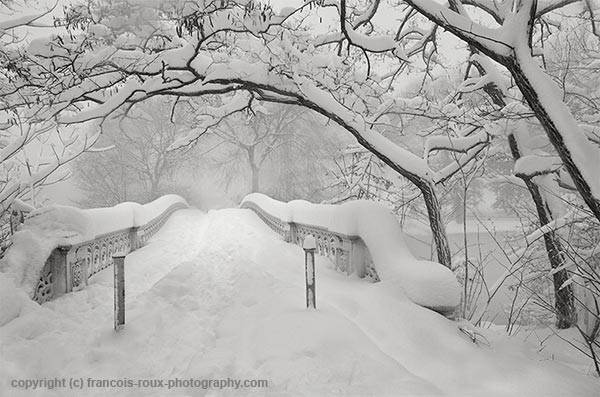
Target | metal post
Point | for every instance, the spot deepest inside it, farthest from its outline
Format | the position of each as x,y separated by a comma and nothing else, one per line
119,268
309,245
135,238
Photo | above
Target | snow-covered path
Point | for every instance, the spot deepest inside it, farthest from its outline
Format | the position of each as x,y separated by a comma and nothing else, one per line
217,295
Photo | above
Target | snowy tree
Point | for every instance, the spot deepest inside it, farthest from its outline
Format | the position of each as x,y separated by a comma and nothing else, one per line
137,165
247,51
32,150
108,73
539,167
251,143
540,185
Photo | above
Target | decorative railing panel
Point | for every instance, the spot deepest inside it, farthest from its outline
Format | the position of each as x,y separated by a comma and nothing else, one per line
69,267
280,227
349,254
150,228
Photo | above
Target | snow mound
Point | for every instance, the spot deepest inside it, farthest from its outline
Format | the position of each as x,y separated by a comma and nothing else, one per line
426,283
43,230
20,205
57,225
218,296
14,301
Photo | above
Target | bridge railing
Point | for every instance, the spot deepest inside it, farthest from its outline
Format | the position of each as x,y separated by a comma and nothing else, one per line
348,253
69,267
363,238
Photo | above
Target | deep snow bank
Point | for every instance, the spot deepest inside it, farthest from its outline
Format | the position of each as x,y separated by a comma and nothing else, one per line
425,283
235,294
49,227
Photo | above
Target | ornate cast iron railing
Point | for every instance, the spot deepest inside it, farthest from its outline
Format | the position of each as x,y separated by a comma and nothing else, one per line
69,267
348,253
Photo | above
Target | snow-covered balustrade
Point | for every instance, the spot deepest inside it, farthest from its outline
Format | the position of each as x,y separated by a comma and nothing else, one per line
362,238
59,247
348,253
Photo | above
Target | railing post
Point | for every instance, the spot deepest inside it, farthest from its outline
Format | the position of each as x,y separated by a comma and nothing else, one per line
309,247
134,239
119,286
357,257
342,262
292,233
61,274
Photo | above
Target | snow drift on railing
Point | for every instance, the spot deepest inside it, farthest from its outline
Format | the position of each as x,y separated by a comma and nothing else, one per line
58,225
426,283
128,214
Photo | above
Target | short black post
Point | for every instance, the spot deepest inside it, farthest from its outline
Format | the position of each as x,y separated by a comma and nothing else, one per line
119,268
309,245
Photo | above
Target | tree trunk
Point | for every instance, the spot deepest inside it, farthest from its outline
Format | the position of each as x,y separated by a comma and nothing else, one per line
564,298
255,179
254,169
436,224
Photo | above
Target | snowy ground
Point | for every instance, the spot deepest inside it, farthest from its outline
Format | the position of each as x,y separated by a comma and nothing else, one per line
217,295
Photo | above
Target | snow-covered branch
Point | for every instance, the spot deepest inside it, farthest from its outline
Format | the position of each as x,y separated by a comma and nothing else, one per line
533,165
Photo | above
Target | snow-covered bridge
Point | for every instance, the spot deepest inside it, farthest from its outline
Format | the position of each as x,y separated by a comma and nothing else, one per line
61,247
220,294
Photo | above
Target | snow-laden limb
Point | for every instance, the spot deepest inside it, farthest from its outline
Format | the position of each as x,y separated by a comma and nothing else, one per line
454,144
552,226
398,155
475,83
210,117
49,227
455,166
39,172
488,40
546,6
22,20
361,19
19,21
13,147
379,43
499,10
370,43
533,165
491,75
426,283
